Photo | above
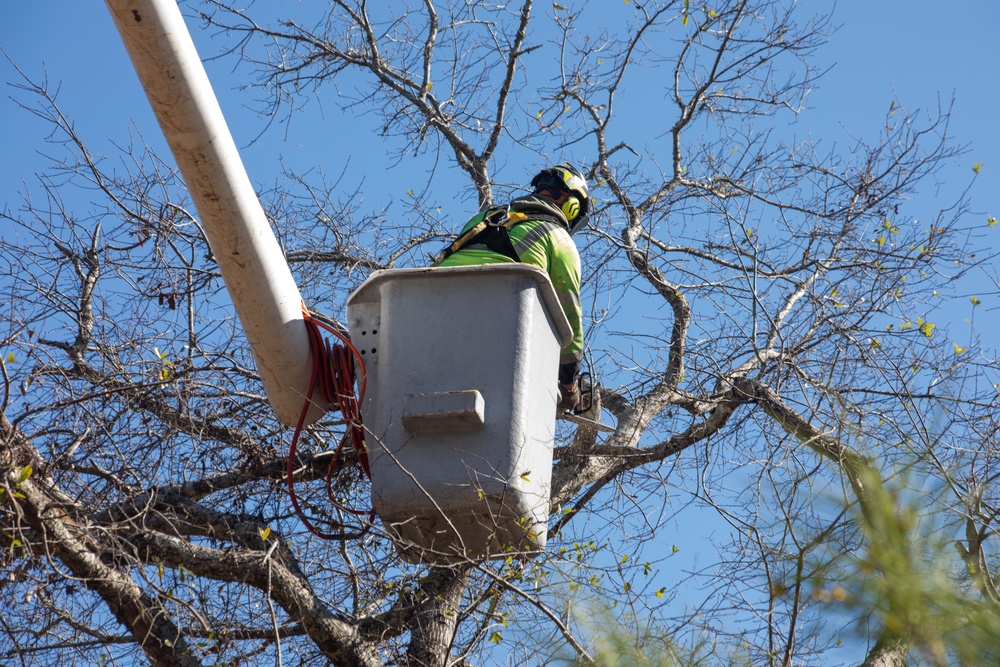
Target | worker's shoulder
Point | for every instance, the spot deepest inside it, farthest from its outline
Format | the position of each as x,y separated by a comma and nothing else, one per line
545,239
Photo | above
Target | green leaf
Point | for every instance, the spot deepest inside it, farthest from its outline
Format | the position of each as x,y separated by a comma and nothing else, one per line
25,473
926,328
975,301
10,358
959,350
496,637
977,167
264,534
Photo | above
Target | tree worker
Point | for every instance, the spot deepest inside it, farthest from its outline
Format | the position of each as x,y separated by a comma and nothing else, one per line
536,229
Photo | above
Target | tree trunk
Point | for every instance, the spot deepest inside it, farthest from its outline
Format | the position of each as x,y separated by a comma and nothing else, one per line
889,651
433,626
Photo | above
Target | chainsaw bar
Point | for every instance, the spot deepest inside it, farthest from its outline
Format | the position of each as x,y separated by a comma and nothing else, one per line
583,421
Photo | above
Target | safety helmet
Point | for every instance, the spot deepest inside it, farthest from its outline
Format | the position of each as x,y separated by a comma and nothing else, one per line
567,178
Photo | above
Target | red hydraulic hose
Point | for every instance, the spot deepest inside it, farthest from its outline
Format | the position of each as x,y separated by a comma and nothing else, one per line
335,370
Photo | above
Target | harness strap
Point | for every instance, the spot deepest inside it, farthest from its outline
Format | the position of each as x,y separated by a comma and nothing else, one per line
493,231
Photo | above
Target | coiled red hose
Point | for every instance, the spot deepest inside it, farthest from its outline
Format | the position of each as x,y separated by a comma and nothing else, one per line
335,371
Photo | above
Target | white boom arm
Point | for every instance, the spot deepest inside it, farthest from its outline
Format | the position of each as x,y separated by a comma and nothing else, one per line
253,266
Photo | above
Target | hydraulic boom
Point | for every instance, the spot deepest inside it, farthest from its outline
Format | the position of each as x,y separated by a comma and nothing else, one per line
251,261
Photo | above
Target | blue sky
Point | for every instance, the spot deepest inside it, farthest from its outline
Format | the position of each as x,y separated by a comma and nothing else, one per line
919,53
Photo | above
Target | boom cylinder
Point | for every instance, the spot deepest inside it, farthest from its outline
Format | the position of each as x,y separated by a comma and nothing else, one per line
253,266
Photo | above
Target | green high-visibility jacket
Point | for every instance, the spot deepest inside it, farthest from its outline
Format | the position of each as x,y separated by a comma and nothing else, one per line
547,245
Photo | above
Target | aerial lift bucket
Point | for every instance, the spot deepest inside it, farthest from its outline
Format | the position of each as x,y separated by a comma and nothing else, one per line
460,408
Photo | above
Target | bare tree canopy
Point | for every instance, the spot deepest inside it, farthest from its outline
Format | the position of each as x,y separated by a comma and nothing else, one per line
758,326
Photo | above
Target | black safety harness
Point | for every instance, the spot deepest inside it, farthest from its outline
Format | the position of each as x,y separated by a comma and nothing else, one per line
493,231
